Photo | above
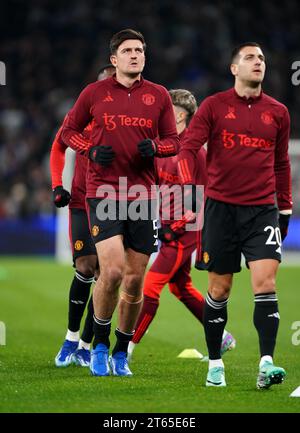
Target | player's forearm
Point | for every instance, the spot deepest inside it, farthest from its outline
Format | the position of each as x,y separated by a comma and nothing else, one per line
188,217
284,187
57,162
75,139
187,166
166,147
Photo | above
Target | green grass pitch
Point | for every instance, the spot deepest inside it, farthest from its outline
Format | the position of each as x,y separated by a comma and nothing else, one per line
33,306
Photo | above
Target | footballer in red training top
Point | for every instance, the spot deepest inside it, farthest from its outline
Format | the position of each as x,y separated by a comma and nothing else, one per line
133,123
247,135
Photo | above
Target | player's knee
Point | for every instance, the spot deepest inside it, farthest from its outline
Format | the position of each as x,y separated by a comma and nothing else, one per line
265,285
219,286
219,293
112,276
86,265
133,283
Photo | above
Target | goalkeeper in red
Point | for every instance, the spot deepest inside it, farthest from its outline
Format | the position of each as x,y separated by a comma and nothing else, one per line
247,135
172,266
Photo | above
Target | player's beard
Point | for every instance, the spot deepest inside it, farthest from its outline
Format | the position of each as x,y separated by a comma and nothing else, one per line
253,84
133,75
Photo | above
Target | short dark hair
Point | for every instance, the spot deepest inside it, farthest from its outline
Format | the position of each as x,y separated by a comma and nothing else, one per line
238,48
124,35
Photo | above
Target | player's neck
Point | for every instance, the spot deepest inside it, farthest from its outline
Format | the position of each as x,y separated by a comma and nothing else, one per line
127,80
247,91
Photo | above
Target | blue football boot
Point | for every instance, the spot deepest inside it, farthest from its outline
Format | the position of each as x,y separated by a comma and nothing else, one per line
64,358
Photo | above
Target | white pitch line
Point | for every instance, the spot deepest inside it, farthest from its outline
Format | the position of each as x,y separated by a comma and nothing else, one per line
296,393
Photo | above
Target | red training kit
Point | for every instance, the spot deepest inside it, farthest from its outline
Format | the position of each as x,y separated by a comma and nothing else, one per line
122,117
247,149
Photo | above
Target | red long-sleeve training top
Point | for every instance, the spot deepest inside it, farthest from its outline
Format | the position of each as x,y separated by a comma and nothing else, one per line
247,149
122,117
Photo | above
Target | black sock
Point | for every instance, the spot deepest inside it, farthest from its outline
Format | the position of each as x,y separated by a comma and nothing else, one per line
88,333
78,297
266,321
122,342
214,321
101,328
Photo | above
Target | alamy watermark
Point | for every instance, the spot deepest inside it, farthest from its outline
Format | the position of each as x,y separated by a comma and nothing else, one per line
296,75
296,335
2,74
172,203
2,334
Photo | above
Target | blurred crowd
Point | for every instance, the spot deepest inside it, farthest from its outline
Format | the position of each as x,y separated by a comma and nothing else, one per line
52,49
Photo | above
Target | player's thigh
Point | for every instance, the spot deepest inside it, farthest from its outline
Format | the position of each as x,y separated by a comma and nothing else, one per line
111,255
221,252
80,238
168,260
104,224
261,236
141,234
181,276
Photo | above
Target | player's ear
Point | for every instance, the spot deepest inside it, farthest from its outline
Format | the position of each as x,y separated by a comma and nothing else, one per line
234,68
113,60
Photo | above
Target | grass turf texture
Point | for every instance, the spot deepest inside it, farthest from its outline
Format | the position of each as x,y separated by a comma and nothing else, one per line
33,306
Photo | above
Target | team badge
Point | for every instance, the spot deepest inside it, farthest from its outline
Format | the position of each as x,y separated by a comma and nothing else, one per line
205,257
78,245
95,230
267,117
148,99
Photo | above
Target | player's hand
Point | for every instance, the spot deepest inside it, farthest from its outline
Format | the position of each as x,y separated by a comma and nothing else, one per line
61,196
147,148
103,155
284,221
166,234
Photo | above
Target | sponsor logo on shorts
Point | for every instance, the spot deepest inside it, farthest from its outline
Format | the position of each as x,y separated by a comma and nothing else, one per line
205,257
95,230
78,245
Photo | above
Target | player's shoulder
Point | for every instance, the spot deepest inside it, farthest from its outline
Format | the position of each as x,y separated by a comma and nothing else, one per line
267,99
216,98
97,85
154,87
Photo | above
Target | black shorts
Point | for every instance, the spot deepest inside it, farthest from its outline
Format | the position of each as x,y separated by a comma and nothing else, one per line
230,230
138,234
80,237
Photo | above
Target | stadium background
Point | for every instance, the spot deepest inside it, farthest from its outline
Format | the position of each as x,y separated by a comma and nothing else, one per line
51,50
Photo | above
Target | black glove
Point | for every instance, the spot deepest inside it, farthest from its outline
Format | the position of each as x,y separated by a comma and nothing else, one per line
61,196
147,148
284,221
166,234
190,197
103,155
